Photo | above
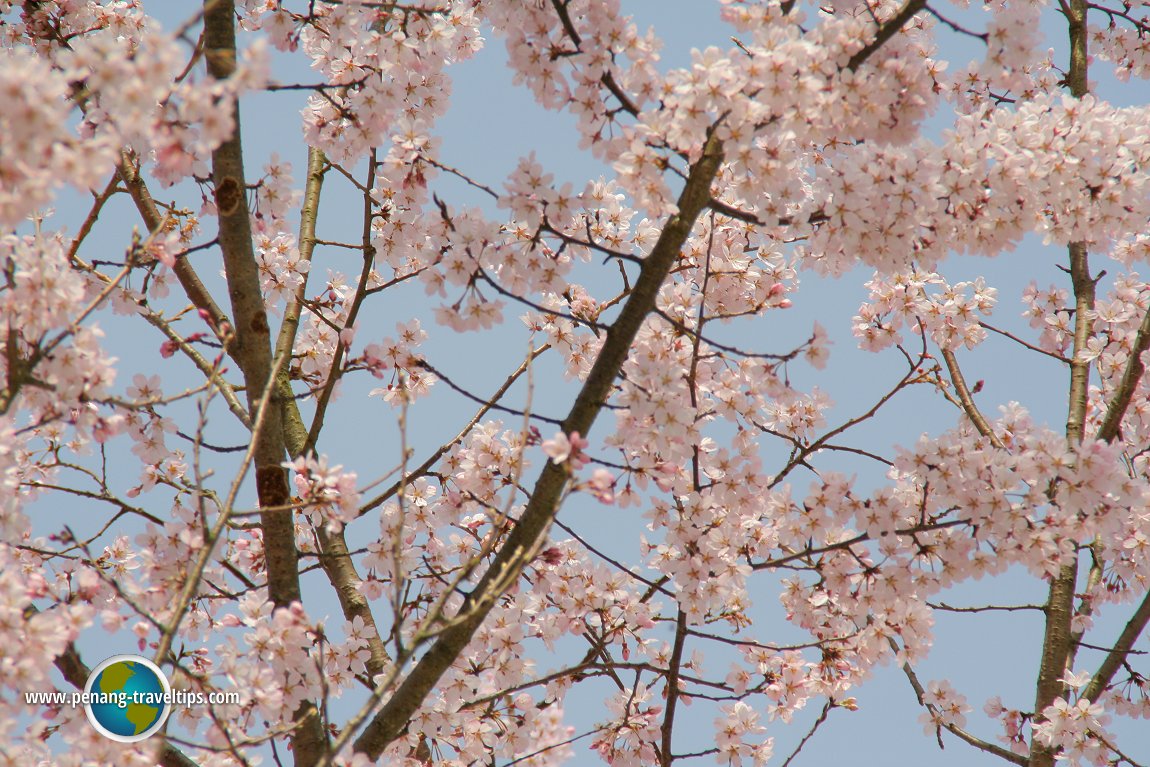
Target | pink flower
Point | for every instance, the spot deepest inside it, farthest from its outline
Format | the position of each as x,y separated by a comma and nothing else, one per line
602,485
563,448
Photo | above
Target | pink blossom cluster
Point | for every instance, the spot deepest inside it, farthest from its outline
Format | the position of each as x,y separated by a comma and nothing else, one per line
705,433
1062,167
1013,33
34,127
1123,44
946,707
276,197
1077,729
389,63
282,269
122,71
924,303
29,639
564,65
1013,721
409,380
326,333
566,449
328,494
55,369
634,731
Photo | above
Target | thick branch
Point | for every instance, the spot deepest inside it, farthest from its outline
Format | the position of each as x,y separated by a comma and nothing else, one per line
295,432
1083,285
340,568
525,537
1117,656
252,346
253,353
668,729
1057,638
334,555
1131,376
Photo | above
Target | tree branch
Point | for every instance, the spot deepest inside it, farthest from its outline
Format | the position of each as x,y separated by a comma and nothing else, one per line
1114,659
295,432
972,412
1057,636
979,743
673,668
1131,377
129,174
886,32
253,353
525,537
361,292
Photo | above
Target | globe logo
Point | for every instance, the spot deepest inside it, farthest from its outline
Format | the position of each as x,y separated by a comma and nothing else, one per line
127,698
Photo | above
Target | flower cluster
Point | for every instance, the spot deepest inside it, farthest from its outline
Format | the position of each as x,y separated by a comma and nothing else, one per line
1065,168
37,151
946,707
409,379
925,303
563,449
1077,729
739,721
1124,44
282,269
328,494
714,434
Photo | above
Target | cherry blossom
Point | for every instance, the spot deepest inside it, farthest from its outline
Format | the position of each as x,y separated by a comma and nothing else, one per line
566,449
316,496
